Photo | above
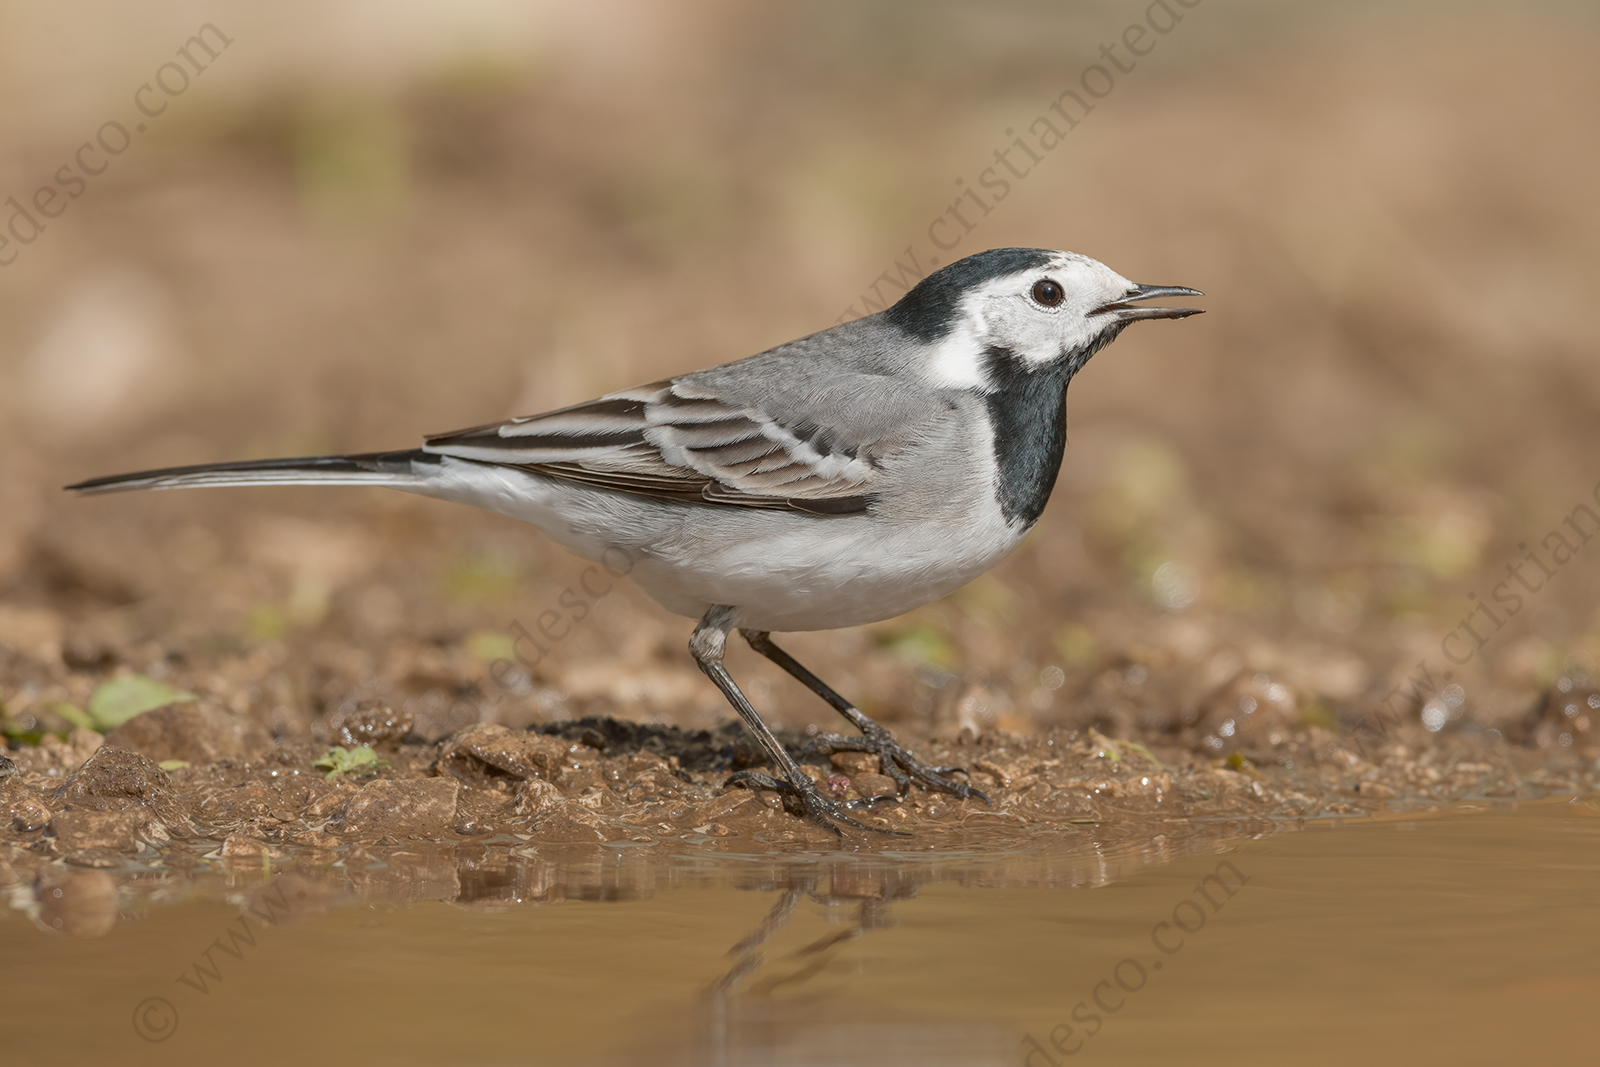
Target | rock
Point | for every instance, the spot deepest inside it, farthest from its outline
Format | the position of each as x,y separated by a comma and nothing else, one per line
80,829
484,751
114,779
874,785
196,732
534,797
372,725
77,904
647,779
330,802
1250,712
253,800
417,807
283,799
29,816
853,763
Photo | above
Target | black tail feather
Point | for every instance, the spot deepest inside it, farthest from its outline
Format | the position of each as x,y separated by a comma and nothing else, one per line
373,467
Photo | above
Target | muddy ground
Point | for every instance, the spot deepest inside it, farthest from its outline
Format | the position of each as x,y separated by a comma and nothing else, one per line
488,793
1244,606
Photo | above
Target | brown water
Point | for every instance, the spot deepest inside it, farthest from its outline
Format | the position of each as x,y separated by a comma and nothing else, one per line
1463,936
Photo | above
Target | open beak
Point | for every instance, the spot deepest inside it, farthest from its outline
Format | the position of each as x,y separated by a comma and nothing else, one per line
1126,311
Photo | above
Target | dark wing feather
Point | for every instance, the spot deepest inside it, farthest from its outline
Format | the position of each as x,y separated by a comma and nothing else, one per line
679,440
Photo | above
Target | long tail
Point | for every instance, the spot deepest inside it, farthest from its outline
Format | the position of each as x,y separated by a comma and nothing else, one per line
401,470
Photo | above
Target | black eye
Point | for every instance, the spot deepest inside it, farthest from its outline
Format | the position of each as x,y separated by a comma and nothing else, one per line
1048,292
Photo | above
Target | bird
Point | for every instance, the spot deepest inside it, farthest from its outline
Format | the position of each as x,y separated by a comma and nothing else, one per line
841,479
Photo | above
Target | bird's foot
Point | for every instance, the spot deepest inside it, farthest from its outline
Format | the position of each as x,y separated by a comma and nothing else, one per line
897,763
804,798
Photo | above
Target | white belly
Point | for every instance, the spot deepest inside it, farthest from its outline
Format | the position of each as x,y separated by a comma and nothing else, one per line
778,570
786,572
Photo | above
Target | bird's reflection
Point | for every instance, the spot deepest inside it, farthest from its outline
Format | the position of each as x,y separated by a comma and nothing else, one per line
780,988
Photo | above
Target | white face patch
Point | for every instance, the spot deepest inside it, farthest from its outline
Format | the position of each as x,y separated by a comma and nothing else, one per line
1039,334
1002,313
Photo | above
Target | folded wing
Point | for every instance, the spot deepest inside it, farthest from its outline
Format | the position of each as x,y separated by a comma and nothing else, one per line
685,439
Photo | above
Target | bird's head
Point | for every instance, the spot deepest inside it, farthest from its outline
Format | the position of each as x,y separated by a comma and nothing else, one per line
1033,308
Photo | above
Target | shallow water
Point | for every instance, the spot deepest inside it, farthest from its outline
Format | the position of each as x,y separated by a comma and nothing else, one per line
1465,935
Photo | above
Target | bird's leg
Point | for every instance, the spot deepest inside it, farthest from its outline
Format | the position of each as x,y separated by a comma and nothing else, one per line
707,644
898,763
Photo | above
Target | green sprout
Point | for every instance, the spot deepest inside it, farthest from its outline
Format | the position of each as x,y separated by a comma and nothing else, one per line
356,762
120,699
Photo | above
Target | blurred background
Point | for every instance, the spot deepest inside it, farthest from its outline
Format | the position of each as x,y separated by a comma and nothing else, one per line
348,225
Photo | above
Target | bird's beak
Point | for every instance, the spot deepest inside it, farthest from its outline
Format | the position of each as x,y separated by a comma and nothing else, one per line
1125,311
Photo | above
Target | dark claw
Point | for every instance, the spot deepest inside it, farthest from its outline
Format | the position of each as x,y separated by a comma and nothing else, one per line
897,763
809,799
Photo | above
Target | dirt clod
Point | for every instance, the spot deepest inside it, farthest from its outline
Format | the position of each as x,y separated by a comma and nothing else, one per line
115,779
29,816
419,808
375,725
874,785
193,732
1251,711
853,763
485,751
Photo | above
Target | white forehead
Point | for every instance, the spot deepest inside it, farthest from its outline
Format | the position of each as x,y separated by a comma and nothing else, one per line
1001,312
1089,282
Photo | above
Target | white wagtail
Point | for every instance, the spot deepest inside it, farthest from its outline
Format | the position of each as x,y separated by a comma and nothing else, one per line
837,480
